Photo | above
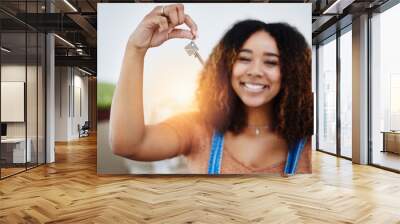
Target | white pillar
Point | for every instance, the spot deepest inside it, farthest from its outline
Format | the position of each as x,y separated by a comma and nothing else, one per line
50,99
360,90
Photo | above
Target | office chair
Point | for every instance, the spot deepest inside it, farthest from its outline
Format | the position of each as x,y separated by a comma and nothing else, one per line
84,130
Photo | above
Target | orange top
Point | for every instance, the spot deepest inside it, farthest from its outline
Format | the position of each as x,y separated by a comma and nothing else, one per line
195,144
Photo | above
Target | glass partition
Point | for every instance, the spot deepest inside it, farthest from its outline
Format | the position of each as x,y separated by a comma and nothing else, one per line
41,107
327,96
385,89
22,88
32,95
346,93
32,84
14,153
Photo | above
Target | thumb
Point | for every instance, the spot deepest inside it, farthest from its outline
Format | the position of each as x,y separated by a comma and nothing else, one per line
180,33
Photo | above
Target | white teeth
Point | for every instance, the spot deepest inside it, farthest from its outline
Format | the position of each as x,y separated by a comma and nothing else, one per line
253,87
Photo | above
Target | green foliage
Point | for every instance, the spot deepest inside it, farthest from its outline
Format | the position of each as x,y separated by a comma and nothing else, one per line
105,93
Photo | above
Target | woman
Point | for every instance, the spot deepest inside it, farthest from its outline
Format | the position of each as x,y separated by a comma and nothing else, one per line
254,98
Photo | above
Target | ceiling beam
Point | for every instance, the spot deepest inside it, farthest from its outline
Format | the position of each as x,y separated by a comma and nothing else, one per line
84,24
83,61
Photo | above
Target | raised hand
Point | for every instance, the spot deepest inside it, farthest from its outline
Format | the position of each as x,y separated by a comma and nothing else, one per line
159,26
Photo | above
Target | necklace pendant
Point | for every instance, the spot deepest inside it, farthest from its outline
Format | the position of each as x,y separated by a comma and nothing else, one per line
257,131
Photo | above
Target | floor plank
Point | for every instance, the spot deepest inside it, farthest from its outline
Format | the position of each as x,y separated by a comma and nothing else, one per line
69,191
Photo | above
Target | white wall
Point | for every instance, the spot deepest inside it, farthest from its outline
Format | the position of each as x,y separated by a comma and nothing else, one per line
33,126
80,83
62,81
70,83
13,73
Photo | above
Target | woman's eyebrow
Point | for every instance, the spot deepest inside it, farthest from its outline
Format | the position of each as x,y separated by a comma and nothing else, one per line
245,50
265,53
271,54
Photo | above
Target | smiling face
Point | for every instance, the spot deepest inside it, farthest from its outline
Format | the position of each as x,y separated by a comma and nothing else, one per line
256,75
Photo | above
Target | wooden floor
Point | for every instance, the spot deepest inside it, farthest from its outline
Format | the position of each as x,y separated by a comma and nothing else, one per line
69,191
387,159
5,172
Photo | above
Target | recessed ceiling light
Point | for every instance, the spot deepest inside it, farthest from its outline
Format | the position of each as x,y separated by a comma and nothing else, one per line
70,5
338,6
84,71
5,50
64,40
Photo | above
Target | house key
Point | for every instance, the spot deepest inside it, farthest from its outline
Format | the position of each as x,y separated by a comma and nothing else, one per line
192,49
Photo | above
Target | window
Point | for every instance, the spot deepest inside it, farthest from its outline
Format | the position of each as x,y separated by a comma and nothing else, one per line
327,96
346,93
385,89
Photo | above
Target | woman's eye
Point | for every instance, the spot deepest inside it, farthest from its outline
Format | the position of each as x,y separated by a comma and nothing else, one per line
271,63
244,59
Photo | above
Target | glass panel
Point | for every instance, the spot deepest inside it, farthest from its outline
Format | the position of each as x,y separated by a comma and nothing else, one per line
385,84
346,94
23,82
327,97
32,81
41,98
13,88
31,100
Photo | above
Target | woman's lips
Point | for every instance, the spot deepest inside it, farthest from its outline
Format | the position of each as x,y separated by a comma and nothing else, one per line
253,87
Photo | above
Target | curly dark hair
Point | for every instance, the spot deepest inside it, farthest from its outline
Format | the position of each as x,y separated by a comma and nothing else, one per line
292,107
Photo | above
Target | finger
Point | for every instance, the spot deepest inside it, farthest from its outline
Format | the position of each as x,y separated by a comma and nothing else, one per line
180,33
161,22
181,13
191,24
157,10
171,13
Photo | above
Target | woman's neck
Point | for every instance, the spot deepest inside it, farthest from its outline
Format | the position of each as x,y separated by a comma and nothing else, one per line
259,116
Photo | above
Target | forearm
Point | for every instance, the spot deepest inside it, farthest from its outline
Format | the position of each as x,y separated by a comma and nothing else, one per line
128,134
127,119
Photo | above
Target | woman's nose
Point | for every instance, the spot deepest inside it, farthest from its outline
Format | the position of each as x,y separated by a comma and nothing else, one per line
255,69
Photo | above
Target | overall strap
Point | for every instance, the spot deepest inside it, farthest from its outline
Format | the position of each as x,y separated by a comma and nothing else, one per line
214,164
293,158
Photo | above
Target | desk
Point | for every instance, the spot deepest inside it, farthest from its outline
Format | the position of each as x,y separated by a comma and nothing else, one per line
391,141
17,151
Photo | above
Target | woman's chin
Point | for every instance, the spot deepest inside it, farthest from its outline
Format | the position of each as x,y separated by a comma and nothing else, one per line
254,102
